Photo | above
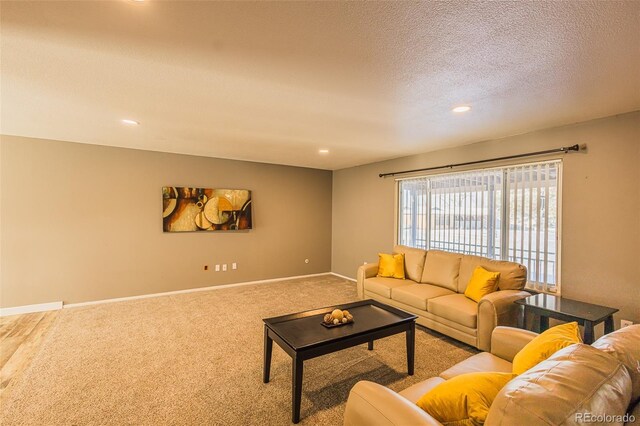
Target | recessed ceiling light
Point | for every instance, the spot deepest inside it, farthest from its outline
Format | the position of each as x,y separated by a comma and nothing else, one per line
129,122
323,151
461,108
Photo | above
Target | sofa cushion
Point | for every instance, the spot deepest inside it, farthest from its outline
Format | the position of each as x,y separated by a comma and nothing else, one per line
575,381
545,345
513,276
382,286
441,268
624,345
416,295
391,265
413,261
464,399
415,392
482,282
478,363
456,308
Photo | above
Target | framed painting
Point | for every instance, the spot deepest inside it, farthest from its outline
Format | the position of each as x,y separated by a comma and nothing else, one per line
203,209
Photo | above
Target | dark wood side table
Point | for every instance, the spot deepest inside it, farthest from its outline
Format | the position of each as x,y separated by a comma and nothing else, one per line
586,314
303,337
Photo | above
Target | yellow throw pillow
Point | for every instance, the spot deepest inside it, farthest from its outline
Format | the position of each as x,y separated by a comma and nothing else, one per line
545,345
391,265
482,282
464,399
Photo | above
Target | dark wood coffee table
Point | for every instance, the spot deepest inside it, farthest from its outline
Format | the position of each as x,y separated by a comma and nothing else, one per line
549,306
303,337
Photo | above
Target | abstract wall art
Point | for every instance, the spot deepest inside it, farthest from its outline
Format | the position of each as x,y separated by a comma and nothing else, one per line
202,209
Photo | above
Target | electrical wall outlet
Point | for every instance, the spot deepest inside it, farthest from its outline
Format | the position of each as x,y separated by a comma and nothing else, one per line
224,267
234,266
217,268
625,323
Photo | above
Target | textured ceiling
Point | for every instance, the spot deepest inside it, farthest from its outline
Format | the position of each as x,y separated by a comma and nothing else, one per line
275,82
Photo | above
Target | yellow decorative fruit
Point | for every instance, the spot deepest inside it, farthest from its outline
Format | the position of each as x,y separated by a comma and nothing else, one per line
336,321
328,319
337,314
345,313
344,320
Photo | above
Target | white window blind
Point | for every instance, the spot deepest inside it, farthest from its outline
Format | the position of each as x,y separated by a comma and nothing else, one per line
413,212
532,225
506,213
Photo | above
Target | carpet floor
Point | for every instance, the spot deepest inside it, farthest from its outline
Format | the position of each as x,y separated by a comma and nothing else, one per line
196,359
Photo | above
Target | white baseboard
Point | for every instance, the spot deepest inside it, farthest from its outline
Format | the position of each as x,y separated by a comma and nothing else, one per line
28,309
343,276
190,290
42,307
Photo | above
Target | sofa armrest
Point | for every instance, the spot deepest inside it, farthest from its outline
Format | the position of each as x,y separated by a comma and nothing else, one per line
496,309
373,404
506,342
369,270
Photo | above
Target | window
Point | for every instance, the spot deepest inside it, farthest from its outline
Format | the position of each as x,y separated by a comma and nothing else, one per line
509,213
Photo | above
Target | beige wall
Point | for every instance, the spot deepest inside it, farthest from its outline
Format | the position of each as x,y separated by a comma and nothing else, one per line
600,216
82,222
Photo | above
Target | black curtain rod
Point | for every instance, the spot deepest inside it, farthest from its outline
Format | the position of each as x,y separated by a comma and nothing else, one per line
564,149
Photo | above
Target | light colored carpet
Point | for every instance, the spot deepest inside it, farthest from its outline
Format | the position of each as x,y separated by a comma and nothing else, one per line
197,359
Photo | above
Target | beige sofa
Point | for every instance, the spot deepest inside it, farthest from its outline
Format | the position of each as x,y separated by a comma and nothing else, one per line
575,384
434,290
